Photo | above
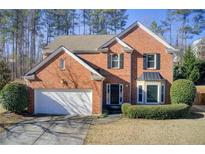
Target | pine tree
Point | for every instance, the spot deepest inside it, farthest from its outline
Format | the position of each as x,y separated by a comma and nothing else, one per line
156,29
4,74
116,20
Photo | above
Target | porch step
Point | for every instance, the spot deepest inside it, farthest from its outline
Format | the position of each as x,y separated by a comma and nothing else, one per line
113,109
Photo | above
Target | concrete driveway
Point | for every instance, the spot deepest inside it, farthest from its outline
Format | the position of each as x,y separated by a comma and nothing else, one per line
47,130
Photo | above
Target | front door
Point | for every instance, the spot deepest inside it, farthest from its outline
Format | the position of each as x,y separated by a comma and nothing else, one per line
114,94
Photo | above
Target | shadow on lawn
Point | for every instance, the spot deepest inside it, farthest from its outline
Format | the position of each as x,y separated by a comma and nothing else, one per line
195,115
45,124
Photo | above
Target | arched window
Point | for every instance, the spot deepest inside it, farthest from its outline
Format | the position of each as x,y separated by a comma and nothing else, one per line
115,61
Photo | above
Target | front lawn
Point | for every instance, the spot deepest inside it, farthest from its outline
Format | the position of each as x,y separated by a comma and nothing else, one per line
141,131
7,119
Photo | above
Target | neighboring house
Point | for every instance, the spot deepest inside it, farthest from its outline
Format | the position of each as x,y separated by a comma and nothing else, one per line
86,73
198,48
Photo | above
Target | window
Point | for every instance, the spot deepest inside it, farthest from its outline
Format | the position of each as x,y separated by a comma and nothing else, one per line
151,61
152,93
140,93
115,61
62,64
162,93
121,93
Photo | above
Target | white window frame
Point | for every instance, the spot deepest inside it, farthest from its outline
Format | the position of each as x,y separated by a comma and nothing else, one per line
108,93
120,93
158,93
155,61
162,85
144,84
62,61
138,101
118,60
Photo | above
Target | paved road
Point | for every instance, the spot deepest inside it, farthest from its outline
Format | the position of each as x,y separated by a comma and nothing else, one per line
48,130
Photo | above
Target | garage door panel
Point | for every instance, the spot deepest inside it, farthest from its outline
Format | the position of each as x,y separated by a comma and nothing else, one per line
77,102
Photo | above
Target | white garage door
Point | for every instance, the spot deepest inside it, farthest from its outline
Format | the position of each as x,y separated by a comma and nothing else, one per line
61,101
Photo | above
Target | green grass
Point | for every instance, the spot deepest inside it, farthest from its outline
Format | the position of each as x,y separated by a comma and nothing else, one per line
142,131
7,119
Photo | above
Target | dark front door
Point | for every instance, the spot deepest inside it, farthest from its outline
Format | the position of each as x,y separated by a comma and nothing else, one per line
114,94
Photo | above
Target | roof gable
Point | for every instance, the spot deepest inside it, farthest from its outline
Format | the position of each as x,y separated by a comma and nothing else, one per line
170,49
56,52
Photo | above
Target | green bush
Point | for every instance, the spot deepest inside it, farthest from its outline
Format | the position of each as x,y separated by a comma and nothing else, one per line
172,111
124,108
182,91
14,97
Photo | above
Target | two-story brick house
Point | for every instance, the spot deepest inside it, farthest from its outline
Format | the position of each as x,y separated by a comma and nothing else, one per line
83,74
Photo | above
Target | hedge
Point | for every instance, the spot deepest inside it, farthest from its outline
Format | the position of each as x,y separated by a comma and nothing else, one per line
182,91
14,97
171,111
124,108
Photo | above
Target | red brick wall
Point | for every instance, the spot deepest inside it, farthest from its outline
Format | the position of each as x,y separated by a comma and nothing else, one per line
78,77
112,75
142,43
75,76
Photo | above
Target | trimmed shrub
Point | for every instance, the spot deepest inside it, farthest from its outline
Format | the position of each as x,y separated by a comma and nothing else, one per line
124,108
172,111
14,97
182,91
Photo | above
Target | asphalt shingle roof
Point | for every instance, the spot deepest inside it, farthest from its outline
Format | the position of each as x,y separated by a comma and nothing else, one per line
78,43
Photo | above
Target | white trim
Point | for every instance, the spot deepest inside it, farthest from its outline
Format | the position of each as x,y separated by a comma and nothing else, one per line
108,93
155,61
162,85
144,91
30,77
123,44
158,93
155,36
141,102
120,93
60,49
118,67
170,49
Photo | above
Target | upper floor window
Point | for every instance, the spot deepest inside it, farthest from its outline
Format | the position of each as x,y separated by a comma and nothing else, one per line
62,64
115,59
151,61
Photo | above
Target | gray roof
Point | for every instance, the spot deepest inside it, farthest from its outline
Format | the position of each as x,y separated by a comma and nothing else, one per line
78,43
151,76
29,74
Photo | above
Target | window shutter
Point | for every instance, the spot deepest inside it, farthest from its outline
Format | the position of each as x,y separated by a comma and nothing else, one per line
144,61
121,60
108,60
157,61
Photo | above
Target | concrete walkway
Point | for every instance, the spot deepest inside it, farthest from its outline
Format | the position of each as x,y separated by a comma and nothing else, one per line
109,119
198,108
48,130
